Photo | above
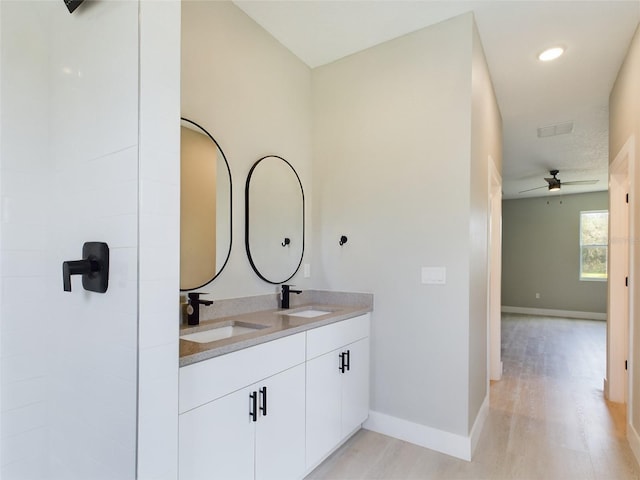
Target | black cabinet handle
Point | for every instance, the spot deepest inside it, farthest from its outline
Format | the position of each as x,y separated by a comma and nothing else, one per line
342,365
263,401
348,362
253,409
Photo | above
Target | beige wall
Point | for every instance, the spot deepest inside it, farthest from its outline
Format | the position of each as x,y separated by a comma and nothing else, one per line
541,253
254,97
198,195
624,123
624,101
392,171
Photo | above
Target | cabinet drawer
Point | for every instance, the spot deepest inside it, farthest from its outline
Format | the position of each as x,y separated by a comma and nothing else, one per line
330,337
210,379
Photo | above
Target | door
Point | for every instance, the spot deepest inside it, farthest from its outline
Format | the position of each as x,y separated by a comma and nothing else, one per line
324,424
494,271
618,272
216,440
280,430
355,386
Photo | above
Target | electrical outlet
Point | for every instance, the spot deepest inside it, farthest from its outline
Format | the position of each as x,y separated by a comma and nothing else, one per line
537,295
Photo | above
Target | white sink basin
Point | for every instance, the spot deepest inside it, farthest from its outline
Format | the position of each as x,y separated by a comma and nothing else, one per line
220,333
310,313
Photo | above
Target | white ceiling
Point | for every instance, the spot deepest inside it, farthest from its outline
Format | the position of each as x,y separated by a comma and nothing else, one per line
531,94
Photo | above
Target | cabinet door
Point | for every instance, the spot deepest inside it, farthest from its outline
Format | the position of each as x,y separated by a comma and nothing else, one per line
355,387
280,434
217,439
323,406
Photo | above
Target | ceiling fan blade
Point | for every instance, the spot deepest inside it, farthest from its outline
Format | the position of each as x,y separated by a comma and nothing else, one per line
551,180
581,182
531,189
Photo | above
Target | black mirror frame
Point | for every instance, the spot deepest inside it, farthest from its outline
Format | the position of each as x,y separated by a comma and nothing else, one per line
246,220
230,206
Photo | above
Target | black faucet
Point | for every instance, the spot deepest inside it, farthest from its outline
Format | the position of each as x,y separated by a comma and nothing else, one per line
193,307
286,291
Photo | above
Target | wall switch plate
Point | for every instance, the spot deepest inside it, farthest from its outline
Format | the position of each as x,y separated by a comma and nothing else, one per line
307,270
537,295
434,275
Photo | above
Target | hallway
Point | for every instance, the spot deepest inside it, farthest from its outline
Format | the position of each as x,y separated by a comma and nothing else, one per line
548,418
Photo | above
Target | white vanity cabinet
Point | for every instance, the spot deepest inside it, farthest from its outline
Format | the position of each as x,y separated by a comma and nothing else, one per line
337,390
280,434
255,431
217,439
277,409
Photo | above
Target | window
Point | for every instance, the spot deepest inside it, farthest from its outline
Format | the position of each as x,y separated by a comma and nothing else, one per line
594,227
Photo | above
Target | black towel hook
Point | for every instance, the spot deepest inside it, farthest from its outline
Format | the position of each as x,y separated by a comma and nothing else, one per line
286,242
343,240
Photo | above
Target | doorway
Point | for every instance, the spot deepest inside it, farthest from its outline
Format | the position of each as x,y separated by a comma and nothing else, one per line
494,272
619,300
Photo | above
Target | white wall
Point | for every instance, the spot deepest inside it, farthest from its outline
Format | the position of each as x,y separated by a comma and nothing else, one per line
392,171
486,144
254,97
624,126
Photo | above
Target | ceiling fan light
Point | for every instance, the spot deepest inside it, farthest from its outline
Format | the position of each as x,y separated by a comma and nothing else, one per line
550,54
554,186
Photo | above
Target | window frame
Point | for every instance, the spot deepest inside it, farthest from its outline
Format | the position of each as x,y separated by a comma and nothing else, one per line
581,245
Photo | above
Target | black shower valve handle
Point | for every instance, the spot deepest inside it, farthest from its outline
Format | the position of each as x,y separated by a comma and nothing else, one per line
94,268
77,267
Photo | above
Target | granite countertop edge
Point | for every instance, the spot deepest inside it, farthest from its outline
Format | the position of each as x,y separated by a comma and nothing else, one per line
206,351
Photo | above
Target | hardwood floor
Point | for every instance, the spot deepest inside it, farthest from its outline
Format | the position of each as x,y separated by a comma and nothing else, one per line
548,418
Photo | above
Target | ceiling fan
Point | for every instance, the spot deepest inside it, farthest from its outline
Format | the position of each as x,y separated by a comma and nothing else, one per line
554,182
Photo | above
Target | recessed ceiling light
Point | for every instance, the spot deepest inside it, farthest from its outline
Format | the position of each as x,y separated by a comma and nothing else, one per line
551,54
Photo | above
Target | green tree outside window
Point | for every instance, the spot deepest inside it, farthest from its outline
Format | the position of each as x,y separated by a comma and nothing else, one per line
594,229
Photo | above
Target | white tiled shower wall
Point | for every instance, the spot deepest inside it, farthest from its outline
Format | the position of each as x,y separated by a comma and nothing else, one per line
23,176
90,115
159,224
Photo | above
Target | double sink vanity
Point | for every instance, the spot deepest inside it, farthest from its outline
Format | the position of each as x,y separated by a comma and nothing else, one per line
270,394
228,334
265,392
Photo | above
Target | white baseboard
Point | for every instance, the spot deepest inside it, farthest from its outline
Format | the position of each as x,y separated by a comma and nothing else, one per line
547,312
458,446
476,430
634,441
495,376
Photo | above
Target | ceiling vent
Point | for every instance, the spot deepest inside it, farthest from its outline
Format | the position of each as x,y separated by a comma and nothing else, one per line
557,129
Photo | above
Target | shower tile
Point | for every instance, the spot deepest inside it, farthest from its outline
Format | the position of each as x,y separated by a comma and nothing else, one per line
159,264
159,313
159,197
159,230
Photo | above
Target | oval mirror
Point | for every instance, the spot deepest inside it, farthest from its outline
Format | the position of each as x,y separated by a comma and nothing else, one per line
205,207
274,219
